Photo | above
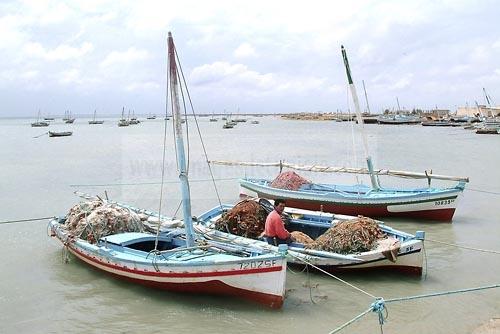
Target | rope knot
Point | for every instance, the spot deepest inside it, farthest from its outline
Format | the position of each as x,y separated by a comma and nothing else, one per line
378,306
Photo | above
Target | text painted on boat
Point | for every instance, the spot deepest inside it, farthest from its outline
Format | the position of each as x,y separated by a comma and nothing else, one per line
257,264
444,202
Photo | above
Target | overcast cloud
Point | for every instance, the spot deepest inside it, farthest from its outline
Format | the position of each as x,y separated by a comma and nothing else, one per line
258,56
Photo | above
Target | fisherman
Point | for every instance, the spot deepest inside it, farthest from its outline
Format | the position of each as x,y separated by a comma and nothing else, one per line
275,232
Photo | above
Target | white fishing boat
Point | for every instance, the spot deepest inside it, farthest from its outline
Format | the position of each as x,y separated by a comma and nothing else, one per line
180,259
38,122
94,121
397,251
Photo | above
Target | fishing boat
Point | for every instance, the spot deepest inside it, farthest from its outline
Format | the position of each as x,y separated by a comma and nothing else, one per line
398,119
38,122
134,120
60,133
433,203
179,259
67,117
151,117
123,121
94,121
398,251
213,119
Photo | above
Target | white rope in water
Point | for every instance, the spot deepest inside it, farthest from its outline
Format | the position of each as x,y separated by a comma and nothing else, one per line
333,276
464,247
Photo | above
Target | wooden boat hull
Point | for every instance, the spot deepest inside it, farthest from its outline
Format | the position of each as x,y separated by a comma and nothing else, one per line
39,124
60,134
260,279
406,257
431,205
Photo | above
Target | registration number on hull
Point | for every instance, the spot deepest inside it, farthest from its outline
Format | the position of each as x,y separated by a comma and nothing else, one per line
444,202
258,264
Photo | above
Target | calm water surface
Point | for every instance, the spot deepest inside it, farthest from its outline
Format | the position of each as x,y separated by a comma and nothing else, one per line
39,293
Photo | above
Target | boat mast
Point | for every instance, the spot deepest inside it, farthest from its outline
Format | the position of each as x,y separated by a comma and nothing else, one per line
373,178
179,142
366,98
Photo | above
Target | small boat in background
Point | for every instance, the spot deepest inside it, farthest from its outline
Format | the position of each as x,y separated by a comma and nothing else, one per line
38,122
123,122
67,117
151,117
60,134
134,119
398,119
94,121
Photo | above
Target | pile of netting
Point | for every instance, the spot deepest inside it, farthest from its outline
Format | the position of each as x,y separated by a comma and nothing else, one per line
351,236
247,219
289,181
93,220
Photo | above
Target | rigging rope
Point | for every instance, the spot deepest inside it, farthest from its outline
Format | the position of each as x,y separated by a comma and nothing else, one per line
199,132
25,220
149,183
163,162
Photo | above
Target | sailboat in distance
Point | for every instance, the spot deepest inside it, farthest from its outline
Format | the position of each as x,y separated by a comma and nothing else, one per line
94,121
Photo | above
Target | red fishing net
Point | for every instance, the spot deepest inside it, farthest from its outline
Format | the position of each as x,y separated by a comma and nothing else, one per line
289,181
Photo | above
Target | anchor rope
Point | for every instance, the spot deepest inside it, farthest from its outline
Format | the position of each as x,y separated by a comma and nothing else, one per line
25,220
464,247
333,276
378,306
483,191
443,293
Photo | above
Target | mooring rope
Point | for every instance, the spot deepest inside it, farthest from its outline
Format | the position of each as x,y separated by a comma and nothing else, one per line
483,191
333,276
378,306
443,293
464,247
25,220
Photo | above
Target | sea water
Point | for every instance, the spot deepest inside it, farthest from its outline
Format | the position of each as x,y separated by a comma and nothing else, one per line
40,293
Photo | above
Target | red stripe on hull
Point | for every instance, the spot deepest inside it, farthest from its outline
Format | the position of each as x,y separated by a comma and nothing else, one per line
177,275
213,287
373,211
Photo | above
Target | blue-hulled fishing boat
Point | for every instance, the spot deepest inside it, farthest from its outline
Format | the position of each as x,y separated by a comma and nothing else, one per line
399,251
180,259
432,203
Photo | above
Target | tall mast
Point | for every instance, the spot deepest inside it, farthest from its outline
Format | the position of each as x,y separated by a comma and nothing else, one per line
397,101
366,98
354,94
179,142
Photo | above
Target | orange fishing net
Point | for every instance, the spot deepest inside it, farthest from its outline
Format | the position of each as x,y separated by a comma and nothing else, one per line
351,236
247,219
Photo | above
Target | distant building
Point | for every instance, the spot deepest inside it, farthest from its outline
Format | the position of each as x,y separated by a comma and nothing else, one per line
482,110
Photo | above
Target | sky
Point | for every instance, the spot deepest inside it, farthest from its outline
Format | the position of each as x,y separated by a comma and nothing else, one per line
253,56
